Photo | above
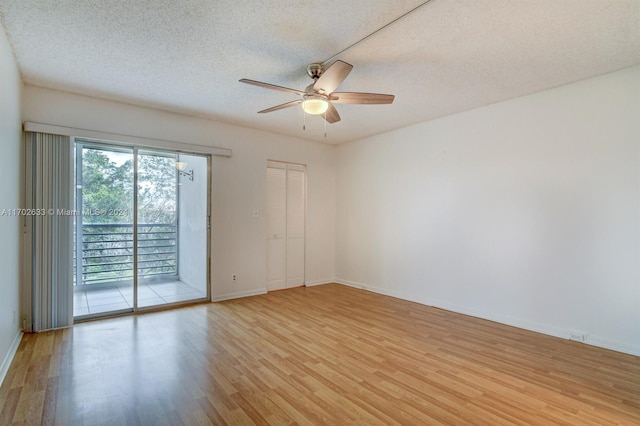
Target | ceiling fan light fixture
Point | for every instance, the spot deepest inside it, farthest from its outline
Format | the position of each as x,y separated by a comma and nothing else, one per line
315,105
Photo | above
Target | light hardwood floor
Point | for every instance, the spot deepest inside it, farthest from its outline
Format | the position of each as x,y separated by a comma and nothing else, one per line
322,355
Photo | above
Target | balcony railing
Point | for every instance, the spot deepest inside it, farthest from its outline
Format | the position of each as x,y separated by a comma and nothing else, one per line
107,252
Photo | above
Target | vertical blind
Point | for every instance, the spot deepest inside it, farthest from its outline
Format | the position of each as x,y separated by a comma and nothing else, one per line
49,219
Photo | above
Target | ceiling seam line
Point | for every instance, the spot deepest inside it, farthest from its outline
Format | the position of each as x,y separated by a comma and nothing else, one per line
376,31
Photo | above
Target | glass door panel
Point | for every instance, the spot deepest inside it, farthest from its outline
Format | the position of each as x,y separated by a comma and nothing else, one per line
103,255
172,242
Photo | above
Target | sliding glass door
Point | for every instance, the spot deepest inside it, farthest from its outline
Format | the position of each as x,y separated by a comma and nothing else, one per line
141,239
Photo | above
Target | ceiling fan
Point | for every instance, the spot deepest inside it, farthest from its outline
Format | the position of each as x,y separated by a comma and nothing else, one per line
318,97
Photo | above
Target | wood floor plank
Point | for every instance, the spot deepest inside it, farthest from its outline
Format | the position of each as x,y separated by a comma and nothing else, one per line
321,355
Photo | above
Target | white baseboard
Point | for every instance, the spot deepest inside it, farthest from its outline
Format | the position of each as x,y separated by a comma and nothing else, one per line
318,282
374,289
6,362
502,319
238,295
350,283
614,346
538,328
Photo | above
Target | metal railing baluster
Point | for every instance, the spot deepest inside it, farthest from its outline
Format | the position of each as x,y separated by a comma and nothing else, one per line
107,252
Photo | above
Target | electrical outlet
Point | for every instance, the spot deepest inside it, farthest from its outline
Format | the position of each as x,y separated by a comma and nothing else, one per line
234,277
577,337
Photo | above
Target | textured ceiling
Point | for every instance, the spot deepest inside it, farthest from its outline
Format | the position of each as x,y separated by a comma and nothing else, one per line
448,56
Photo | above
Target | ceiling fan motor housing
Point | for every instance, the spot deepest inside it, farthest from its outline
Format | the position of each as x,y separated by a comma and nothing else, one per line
315,70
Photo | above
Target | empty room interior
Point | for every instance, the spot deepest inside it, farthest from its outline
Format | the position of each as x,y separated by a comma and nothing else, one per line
321,212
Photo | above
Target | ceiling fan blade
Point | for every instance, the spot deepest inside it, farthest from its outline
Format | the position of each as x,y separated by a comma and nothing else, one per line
332,115
282,106
361,98
271,86
331,78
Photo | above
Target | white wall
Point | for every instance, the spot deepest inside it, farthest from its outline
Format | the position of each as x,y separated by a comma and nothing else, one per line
525,212
239,183
10,160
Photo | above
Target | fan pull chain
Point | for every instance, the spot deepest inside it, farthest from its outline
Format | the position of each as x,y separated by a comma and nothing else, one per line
304,120
325,124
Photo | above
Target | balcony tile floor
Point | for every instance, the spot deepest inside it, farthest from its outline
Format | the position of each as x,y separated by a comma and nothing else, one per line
106,299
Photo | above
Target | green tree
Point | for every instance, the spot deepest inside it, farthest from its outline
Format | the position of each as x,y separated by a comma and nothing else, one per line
106,187
107,200
157,201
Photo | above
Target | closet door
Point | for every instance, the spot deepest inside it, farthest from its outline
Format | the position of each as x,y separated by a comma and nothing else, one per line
286,200
276,225
295,225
